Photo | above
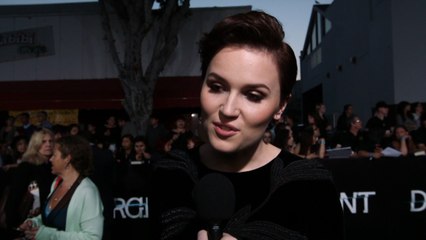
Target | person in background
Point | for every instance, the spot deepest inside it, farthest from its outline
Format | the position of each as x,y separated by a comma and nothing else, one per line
126,149
180,134
402,141
8,132
322,121
140,150
90,132
59,131
31,180
126,126
417,111
284,138
156,134
378,126
43,121
343,120
74,129
419,135
356,138
311,145
404,116
74,208
110,133
248,74
267,137
27,128
17,149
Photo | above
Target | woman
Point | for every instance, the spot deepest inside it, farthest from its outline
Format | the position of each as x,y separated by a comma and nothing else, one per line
311,145
73,209
404,116
126,149
31,179
321,120
18,147
248,76
284,138
343,120
180,134
402,141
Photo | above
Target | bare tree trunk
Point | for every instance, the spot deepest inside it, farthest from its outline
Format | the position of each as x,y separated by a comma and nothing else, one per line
136,20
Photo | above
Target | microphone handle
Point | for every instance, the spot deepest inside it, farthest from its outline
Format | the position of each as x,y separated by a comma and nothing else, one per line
215,233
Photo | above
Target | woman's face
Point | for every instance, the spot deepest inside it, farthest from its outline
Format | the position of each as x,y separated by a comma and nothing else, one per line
126,143
139,147
111,121
180,123
400,132
21,146
59,164
239,97
46,148
267,137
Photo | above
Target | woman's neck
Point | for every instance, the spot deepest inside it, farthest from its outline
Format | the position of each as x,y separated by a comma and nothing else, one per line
241,161
69,177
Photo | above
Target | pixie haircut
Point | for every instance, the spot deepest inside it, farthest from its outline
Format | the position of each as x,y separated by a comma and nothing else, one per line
80,151
256,30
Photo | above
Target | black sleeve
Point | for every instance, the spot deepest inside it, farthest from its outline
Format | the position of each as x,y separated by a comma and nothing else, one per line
172,206
323,211
310,208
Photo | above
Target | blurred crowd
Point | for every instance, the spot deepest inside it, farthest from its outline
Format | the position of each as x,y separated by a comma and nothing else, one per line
403,130
400,128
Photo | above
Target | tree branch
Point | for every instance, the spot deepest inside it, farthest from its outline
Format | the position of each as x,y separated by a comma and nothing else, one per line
170,23
110,38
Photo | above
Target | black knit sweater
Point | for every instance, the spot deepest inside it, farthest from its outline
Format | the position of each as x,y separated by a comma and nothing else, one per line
288,198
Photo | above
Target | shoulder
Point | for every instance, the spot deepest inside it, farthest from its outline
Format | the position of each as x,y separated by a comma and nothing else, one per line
87,183
289,168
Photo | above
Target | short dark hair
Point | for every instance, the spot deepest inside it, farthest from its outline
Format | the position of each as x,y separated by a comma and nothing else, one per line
80,151
257,30
346,107
381,104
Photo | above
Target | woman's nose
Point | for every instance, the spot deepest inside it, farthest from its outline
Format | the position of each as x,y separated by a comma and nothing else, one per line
230,107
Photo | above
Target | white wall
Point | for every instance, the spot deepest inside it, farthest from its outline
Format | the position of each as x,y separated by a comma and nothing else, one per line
81,52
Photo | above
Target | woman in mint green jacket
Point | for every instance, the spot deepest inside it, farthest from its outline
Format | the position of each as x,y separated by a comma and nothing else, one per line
74,208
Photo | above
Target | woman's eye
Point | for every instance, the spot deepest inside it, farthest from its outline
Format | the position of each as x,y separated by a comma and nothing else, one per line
215,87
254,96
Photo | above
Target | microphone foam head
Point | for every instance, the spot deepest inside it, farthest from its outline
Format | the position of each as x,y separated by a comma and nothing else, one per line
214,197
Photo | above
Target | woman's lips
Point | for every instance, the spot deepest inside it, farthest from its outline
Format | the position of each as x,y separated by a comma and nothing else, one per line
225,130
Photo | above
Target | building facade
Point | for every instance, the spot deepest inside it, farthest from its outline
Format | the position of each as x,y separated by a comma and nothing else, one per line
364,51
55,56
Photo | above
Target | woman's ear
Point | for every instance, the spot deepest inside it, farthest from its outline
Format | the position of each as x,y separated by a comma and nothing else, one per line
278,114
283,105
68,159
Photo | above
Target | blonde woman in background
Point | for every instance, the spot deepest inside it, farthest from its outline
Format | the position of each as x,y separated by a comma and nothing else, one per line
30,181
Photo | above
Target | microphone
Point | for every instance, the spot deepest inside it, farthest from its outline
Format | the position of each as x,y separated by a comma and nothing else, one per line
214,198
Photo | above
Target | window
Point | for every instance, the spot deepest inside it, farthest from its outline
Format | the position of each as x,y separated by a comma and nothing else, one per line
327,25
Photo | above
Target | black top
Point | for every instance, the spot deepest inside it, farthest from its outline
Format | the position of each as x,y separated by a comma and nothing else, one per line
288,198
358,142
57,217
22,176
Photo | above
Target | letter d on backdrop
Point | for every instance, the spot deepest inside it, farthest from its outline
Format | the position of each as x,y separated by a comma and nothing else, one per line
418,201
